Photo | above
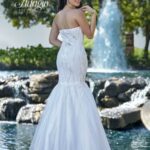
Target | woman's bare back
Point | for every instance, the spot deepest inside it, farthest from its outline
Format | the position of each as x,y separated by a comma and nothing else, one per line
67,19
70,18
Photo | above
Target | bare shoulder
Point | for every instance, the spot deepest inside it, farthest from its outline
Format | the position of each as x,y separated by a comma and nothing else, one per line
78,12
57,14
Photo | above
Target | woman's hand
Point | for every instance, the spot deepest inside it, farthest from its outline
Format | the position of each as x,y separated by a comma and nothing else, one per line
88,9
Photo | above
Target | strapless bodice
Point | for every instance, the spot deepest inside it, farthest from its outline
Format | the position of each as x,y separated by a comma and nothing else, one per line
72,59
72,35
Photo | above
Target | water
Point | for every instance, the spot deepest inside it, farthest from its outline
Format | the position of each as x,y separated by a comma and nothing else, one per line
15,136
109,74
5,74
92,73
136,138
108,49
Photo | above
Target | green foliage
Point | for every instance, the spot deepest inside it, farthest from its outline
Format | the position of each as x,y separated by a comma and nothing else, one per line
88,43
26,13
137,61
135,13
30,57
96,5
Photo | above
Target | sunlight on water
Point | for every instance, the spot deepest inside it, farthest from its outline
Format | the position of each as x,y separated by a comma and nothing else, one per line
15,136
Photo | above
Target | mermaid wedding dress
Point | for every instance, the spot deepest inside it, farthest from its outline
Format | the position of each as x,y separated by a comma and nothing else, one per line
70,120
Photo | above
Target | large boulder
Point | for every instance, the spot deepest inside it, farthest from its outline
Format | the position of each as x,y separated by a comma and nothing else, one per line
115,86
138,83
118,118
42,83
9,108
111,88
40,86
37,98
30,113
126,96
7,91
122,115
98,85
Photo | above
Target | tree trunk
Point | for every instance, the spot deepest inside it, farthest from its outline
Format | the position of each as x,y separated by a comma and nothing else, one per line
147,34
129,38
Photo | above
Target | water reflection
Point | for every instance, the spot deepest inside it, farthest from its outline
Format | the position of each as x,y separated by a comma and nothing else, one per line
18,137
92,73
135,138
15,136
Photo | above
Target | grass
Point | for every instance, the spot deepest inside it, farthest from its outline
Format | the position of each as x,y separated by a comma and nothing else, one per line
137,61
138,52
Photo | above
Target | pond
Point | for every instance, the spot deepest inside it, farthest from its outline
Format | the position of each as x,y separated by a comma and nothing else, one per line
90,73
15,136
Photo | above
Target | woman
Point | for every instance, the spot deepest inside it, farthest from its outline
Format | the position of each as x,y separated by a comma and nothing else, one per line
70,120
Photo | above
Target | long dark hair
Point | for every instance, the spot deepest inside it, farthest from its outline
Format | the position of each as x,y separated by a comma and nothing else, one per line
62,3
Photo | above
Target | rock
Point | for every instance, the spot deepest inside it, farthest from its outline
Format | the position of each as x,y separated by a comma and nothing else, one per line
40,87
118,118
30,113
43,78
126,113
9,108
27,84
110,88
6,91
2,81
98,85
100,95
138,83
109,102
123,85
37,98
148,94
124,97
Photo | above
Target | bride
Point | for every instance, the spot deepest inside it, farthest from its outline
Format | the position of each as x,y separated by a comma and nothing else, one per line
70,120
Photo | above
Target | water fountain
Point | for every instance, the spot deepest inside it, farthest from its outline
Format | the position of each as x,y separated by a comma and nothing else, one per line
108,50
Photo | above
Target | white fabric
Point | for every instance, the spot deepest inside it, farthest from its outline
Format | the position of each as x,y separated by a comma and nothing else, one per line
70,120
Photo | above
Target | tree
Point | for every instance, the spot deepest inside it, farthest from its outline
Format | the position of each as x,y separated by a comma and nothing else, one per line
136,15
27,13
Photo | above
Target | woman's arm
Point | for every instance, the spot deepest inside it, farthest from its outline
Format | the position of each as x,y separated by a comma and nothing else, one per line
93,22
88,29
54,34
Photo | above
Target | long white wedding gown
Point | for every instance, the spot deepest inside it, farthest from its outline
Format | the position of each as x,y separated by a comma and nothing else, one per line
70,120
